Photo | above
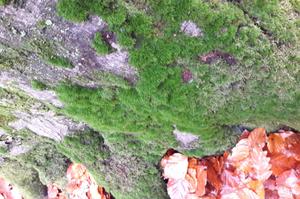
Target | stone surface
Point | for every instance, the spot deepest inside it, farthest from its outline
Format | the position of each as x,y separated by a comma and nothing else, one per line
46,30
184,138
191,29
8,80
47,124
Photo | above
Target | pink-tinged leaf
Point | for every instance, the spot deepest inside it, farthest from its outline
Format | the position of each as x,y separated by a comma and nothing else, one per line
293,146
289,180
240,151
230,196
175,166
178,189
260,164
271,194
7,191
258,187
229,179
247,194
192,179
285,192
258,137
259,167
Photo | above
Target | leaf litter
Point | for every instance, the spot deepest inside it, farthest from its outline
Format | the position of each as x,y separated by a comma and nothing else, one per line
259,166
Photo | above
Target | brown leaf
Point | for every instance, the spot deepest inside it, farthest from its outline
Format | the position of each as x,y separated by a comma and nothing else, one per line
293,146
258,167
281,163
213,171
201,180
275,143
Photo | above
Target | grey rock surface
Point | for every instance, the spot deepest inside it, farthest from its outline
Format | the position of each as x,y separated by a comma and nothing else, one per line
191,29
185,139
8,80
32,31
47,124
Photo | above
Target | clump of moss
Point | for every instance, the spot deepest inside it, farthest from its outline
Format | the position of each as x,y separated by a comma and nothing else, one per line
246,91
38,85
128,24
59,61
100,45
4,2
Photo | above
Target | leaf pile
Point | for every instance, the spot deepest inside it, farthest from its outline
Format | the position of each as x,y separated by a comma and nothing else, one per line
258,167
80,185
7,191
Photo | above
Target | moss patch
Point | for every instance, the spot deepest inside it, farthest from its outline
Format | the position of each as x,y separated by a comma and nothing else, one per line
4,2
38,85
100,45
260,89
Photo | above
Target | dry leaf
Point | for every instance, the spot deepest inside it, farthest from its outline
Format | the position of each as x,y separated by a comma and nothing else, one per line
258,167
175,166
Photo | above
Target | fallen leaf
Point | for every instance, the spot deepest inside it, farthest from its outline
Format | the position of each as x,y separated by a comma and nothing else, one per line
175,166
275,143
178,189
258,167
201,180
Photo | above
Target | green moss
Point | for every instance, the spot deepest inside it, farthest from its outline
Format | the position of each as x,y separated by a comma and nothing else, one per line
12,57
48,162
4,2
24,178
100,45
296,5
72,10
88,149
32,171
58,61
160,99
259,90
110,80
104,162
38,85
3,150
273,18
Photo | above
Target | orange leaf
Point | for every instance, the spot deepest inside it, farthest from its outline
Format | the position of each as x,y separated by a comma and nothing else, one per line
275,143
192,179
201,180
193,163
258,187
281,163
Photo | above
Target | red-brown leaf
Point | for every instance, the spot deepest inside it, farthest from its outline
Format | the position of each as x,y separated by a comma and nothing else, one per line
275,143
201,180
281,163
